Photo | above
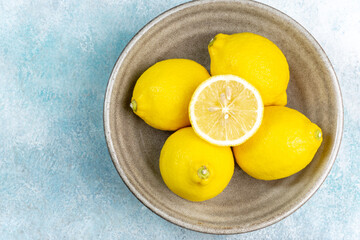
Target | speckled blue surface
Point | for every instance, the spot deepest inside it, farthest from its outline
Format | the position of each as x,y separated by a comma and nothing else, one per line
57,180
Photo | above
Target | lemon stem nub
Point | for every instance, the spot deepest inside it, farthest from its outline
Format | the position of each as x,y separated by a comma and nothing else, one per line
133,105
318,134
203,172
211,42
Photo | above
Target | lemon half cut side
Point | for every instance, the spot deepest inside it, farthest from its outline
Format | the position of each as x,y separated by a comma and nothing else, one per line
226,110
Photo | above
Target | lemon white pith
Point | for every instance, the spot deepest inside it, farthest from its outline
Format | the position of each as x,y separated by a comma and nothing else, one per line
226,110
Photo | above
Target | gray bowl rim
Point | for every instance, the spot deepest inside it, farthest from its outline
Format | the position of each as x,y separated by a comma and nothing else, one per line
174,220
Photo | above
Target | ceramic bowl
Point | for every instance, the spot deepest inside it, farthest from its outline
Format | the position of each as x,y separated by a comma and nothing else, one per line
246,204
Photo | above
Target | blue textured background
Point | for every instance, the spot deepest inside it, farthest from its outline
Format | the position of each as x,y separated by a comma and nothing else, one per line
57,180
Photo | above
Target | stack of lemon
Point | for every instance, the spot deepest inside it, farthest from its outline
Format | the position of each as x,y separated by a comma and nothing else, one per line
242,105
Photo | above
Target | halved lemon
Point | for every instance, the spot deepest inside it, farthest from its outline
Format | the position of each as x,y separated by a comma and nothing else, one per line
226,110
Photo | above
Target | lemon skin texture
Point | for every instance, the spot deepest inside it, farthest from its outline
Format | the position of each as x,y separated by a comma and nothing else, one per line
162,94
193,168
285,143
255,59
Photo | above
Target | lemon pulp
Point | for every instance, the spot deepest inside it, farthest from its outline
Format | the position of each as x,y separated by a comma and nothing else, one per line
226,110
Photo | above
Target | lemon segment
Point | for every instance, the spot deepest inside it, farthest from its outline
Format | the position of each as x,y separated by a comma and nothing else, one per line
226,110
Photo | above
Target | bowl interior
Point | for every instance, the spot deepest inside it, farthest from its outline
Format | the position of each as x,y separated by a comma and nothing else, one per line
184,32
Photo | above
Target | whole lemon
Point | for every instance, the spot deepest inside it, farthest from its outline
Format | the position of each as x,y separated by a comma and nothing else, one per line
255,59
193,168
285,143
162,94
